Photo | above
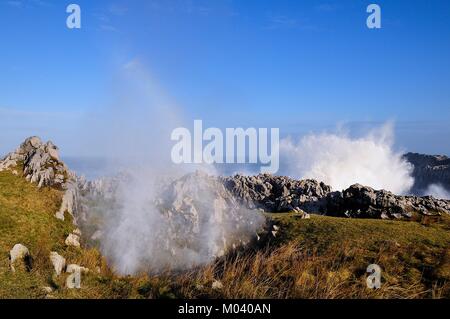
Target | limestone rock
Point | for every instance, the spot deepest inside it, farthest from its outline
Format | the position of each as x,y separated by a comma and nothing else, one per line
198,202
73,240
58,261
278,193
20,255
283,194
40,163
69,202
217,285
429,170
365,202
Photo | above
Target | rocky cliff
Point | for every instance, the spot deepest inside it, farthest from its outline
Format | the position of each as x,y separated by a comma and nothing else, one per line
429,170
39,163
283,194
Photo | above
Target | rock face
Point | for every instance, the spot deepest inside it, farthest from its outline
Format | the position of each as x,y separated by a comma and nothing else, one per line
39,162
278,193
177,223
20,256
428,170
69,202
199,206
365,202
282,194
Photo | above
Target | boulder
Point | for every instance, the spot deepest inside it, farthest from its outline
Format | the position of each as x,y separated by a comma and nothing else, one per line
73,240
20,256
58,262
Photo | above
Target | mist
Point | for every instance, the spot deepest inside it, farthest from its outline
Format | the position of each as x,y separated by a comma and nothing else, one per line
152,219
437,191
340,160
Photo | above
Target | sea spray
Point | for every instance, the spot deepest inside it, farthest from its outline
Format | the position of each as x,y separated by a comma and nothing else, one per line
340,161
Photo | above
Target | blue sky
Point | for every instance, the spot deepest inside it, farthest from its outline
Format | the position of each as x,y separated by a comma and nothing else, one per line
299,65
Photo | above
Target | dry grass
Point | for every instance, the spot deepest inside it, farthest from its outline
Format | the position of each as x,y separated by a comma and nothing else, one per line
327,257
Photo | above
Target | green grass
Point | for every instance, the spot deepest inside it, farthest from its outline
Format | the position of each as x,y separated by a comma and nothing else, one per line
27,216
412,256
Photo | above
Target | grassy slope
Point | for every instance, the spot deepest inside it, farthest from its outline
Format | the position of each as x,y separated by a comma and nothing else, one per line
323,257
27,216
327,257
415,259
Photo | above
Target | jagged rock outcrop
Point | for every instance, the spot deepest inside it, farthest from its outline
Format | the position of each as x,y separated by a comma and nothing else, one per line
198,204
283,194
365,202
278,193
429,170
39,163
69,202
179,223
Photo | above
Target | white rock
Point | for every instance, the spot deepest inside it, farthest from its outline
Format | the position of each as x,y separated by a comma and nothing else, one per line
53,151
59,215
73,240
34,141
19,253
217,285
58,261
69,202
